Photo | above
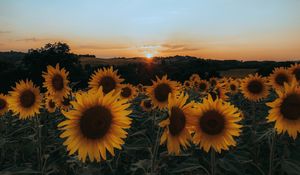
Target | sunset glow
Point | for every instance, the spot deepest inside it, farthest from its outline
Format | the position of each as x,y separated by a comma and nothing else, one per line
223,29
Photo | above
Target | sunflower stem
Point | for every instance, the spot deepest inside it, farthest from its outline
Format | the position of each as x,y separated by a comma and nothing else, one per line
273,137
156,145
212,161
39,147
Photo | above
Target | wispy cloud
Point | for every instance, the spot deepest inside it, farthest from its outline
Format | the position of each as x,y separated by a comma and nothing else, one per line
5,31
33,39
102,47
171,48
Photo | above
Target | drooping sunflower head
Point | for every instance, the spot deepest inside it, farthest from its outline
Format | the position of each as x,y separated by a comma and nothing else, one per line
255,88
65,103
50,104
146,105
107,78
176,133
219,91
96,125
295,70
278,77
128,91
3,104
25,99
285,111
194,77
160,90
203,86
56,81
215,124
233,87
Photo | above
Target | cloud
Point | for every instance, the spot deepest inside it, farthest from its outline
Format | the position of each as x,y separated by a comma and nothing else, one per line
33,39
102,47
171,48
4,31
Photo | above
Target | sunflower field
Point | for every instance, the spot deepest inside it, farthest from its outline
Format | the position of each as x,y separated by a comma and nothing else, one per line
200,126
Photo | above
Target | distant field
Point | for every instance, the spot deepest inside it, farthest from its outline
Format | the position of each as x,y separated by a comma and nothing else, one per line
237,73
112,61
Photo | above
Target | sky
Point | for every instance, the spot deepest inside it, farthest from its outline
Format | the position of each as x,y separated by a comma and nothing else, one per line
218,29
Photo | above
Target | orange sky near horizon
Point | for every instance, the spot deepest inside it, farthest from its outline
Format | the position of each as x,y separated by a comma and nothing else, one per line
223,29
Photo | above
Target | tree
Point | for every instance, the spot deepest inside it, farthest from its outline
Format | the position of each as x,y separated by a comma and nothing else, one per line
37,60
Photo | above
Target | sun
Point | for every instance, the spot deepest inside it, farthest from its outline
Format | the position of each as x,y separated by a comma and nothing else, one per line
149,55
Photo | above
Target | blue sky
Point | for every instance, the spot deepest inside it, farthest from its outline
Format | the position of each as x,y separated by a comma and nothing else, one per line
221,29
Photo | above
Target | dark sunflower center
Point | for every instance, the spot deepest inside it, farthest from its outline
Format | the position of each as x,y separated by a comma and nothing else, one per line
187,84
2,103
161,92
281,79
147,104
290,107
126,92
255,87
177,121
232,87
108,84
202,86
51,104
95,122
27,98
212,122
296,72
58,82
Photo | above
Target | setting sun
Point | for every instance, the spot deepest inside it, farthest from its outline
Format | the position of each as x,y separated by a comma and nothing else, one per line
149,55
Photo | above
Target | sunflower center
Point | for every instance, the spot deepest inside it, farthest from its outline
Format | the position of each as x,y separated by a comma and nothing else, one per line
232,87
202,86
95,122
255,87
161,92
290,107
2,103
177,121
296,72
212,122
147,104
126,92
58,82
213,82
187,84
108,84
27,98
51,104
281,79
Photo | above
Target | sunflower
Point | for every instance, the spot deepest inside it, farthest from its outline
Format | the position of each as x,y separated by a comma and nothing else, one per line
128,91
175,132
3,104
285,111
56,82
96,124
194,77
107,78
146,105
233,86
187,84
295,70
219,91
213,81
25,99
215,124
50,104
65,103
255,87
203,86
160,90
278,77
